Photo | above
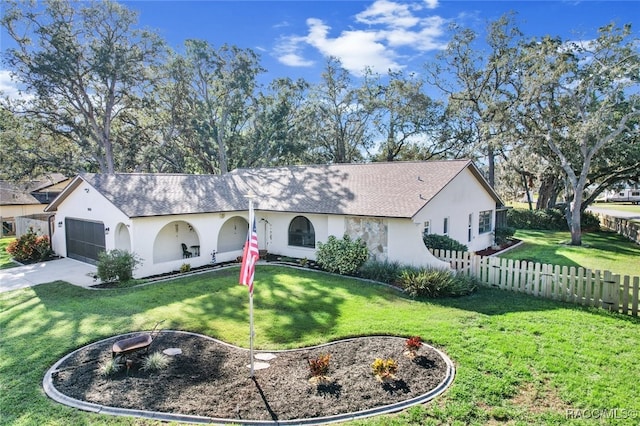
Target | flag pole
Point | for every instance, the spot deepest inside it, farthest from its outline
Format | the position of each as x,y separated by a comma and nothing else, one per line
250,256
251,334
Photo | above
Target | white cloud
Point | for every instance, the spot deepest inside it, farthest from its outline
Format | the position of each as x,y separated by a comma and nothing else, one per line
8,87
282,24
295,60
355,49
423,39
384,12
431,4
289,52
381,35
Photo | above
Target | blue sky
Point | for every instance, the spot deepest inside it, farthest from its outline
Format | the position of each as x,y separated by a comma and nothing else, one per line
293,38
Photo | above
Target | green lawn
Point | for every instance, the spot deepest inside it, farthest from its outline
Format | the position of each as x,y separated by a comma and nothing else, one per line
519,360
621,207
5,258
600,250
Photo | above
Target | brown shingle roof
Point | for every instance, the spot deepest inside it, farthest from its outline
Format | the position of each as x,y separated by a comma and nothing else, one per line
166,194
397,189
13,194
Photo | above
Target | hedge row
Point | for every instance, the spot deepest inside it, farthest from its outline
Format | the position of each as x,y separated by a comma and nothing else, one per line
548,219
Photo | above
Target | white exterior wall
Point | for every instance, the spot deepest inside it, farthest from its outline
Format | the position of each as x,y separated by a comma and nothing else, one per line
157,239
85,203
407,247
273,233
204,232
405,243
15,210
464,195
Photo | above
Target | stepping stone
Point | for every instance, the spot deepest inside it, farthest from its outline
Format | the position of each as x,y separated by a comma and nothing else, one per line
264,356
259,365
172,351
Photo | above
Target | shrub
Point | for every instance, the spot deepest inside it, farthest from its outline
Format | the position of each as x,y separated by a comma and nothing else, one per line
343,256
549,219
185,267
384,368
442,242
590,222
29,247
156,361
503,234
385,271
430,282
116,264
109,367
319,366
413,343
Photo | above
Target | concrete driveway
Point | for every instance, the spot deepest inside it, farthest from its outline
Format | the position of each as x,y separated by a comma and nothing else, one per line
69,270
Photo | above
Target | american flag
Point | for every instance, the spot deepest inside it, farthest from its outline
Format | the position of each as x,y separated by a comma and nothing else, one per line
249,258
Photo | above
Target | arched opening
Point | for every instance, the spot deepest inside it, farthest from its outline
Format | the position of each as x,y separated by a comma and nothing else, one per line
176,240
122,237
233,234
301,233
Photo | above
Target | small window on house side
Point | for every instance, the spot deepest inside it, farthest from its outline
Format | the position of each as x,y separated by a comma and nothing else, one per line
427,227
470,229
484,221
445,226
301,233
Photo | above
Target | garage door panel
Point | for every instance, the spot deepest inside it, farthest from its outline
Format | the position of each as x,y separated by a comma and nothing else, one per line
85,239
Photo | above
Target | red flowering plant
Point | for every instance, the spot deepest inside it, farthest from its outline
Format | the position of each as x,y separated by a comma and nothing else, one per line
30,247
319,367
412,345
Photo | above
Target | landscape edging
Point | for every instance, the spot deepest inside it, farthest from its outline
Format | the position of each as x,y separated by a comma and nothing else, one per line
61,398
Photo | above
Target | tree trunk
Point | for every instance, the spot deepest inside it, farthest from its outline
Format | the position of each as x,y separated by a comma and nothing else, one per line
222,149
491,159
526,189
574,225
108,155
574,213
547,194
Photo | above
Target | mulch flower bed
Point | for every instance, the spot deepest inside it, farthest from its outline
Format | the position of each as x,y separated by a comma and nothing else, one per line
212,379
490,250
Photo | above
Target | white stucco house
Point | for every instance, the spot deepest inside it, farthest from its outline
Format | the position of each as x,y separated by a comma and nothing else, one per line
388,205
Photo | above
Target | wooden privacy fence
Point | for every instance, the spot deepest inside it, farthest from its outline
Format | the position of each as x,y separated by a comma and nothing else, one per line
581,286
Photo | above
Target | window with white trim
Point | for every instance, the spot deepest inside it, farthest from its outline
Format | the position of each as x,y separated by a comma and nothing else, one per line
485,221
445,226
470,228
427,227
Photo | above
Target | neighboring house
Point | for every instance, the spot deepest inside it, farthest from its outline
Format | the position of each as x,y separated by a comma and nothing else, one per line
47,188
388,205
16,201
28,198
